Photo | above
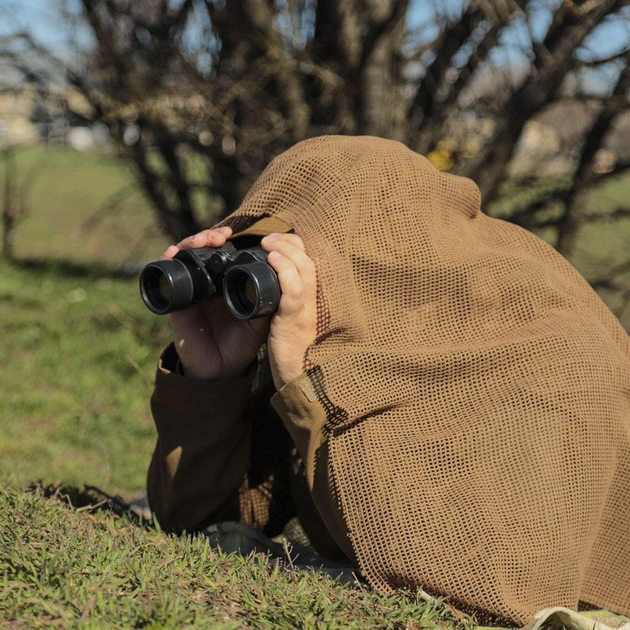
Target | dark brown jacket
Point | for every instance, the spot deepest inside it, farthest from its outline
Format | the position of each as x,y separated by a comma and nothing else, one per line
237,450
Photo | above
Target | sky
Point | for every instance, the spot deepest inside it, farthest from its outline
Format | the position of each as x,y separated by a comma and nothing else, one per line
41,18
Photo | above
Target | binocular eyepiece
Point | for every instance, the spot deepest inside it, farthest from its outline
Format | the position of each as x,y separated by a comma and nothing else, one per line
247,283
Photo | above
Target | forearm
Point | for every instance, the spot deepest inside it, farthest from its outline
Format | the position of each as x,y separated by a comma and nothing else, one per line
203,450
305,419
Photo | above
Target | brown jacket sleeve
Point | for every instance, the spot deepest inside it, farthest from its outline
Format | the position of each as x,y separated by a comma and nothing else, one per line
203,449
223,454
305,419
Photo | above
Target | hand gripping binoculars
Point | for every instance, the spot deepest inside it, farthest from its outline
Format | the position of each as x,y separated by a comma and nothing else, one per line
243,277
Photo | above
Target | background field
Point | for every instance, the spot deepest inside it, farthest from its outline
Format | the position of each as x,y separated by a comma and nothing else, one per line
78,348
77,355
68,192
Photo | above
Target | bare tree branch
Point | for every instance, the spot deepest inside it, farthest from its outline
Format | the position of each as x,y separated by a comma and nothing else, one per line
425,102
568,226
554,59
267,73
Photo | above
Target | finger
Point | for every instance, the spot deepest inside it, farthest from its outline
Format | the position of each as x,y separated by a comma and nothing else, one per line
289,238
201,239
214,238
290,249
170,253
292,299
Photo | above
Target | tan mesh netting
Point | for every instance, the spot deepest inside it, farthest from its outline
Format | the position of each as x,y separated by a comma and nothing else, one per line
478,389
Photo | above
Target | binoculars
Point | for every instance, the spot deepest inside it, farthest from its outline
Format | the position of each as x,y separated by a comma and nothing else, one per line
243,277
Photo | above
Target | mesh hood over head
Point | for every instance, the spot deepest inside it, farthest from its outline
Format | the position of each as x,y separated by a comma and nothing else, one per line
477,388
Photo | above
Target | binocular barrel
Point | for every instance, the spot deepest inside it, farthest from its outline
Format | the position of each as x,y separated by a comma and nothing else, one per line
248,284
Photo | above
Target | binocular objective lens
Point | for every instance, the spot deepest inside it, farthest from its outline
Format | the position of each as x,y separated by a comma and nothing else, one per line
250,294
243,292
168,286
156,288
164,288
251,290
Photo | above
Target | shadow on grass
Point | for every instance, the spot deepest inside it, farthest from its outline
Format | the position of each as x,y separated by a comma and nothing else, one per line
93,499
230,537
73,269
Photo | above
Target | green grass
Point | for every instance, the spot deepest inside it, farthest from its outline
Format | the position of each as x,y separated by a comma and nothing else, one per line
63,568
600,245
77,357
66,190
78,349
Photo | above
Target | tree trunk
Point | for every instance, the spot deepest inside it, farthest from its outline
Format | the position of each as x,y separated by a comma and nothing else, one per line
8,210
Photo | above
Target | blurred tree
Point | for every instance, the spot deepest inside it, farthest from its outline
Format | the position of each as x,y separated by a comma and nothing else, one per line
12,209
201,94
15,186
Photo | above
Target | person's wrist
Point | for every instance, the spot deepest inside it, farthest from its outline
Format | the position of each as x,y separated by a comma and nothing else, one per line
182,370
284,371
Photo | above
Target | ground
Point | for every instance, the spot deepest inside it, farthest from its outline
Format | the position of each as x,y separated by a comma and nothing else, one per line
77,357
69,568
